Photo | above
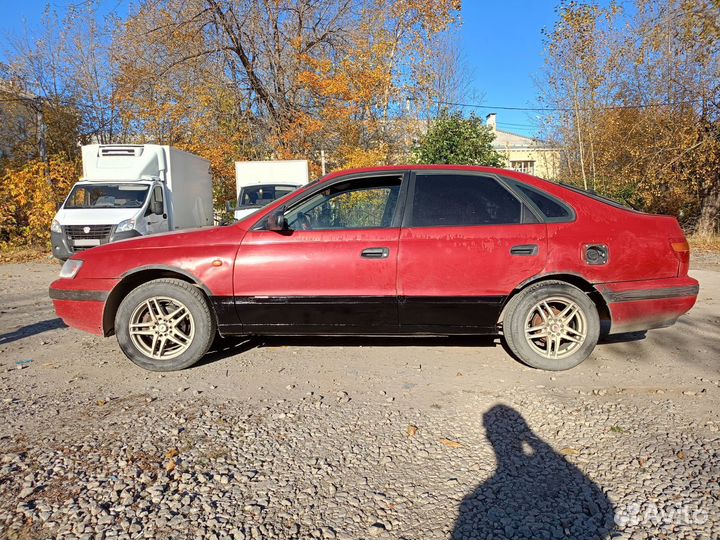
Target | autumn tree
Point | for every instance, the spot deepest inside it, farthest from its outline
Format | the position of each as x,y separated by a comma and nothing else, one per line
306,75
64,65
579,59
636,103
28,202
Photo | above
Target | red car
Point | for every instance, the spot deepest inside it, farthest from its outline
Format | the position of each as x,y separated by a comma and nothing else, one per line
393,250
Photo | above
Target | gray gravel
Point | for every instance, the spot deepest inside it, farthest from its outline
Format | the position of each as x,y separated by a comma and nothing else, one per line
332,467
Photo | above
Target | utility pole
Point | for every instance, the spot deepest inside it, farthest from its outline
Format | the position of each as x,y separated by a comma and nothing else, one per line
322,161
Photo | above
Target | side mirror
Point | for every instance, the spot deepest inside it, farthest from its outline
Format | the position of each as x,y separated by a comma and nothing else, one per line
156,207
277,221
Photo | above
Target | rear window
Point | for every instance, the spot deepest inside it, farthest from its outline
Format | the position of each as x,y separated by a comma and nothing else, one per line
549,207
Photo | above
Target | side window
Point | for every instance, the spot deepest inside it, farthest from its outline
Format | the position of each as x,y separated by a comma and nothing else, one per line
461,199
549,207
356,204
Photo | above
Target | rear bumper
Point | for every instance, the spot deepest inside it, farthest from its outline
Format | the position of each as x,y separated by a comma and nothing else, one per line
643,305
80,303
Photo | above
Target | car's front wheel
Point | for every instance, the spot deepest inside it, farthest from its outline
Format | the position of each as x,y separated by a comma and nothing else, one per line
165,325
551,325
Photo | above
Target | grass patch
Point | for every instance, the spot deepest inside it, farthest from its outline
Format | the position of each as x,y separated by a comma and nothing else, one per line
617,429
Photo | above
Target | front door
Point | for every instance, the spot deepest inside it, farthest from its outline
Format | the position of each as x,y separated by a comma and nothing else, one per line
334,269
156,218
467,243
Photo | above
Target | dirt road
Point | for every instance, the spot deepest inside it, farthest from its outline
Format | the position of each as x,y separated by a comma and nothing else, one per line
351,400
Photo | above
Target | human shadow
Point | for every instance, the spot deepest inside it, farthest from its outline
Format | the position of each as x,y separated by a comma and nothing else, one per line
31,330
534,493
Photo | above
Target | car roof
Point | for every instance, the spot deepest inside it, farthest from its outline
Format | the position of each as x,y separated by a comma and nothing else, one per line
394,168
507,173
548,186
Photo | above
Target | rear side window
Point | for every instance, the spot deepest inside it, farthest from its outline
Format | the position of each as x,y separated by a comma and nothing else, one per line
549,207
443,200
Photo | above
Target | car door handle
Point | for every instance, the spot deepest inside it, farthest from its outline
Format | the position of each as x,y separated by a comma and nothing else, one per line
525,250
375,253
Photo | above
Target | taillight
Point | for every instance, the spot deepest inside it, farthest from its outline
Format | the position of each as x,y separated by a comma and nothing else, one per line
681,248
680,245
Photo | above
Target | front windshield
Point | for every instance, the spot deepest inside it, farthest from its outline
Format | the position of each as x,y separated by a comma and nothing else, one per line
107,196
258,196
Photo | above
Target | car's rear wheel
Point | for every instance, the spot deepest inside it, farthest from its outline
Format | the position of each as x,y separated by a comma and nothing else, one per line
551,325
165,325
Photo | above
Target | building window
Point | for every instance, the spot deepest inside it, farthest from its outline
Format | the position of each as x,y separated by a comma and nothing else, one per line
527,167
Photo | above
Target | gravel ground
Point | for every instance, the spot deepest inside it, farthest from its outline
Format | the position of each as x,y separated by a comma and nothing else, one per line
356,438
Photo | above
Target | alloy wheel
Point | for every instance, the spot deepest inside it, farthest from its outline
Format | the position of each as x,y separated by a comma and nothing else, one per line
161,327
556,327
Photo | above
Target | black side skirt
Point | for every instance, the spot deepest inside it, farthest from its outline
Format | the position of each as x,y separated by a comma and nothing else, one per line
366,315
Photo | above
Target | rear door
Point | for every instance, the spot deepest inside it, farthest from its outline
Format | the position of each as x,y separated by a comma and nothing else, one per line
467,241
334,270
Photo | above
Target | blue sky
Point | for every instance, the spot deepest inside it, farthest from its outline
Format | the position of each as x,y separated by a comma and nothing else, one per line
501,42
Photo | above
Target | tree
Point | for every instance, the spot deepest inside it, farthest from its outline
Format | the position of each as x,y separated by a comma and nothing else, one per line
578,64
454,140
28,202
65,65
637,105
304,75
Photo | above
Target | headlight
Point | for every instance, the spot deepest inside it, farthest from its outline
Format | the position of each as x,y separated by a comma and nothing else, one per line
55,227
70,269
124,226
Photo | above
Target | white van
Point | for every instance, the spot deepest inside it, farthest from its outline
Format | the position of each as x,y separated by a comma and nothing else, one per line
131,190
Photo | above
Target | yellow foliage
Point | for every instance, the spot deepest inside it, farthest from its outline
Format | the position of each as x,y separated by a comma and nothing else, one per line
356,158
28,202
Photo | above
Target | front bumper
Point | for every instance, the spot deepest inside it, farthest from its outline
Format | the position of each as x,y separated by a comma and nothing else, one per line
63,247
643,305
80,303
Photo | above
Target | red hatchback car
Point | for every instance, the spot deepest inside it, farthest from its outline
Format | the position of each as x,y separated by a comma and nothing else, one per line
411,250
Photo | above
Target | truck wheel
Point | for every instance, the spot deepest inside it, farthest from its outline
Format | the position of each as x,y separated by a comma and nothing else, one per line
551,325
165,325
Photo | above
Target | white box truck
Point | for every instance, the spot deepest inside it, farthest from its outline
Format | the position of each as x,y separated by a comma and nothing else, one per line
259,183
130,190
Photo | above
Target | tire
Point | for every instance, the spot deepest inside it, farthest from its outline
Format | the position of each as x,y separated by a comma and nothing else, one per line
539,309
173,326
